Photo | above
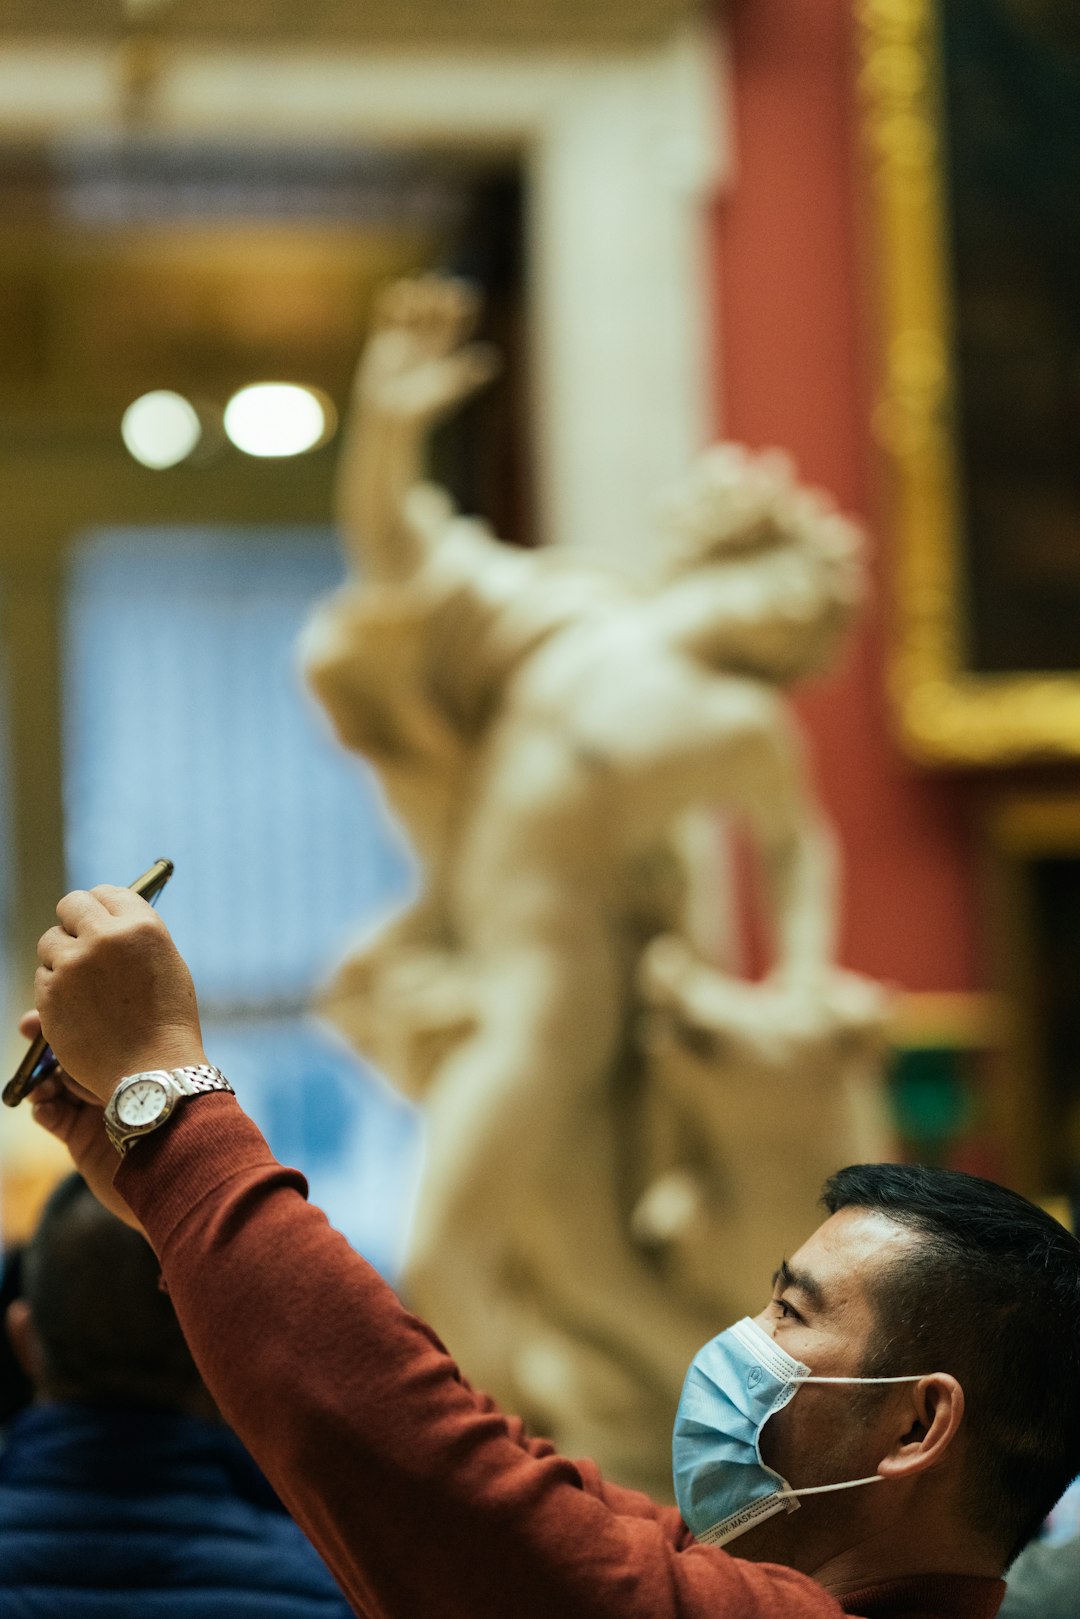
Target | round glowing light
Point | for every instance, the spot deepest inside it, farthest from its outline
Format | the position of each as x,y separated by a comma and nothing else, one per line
160,429
275,418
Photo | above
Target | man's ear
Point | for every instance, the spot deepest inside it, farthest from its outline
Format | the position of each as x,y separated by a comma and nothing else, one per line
25,1344
936,1410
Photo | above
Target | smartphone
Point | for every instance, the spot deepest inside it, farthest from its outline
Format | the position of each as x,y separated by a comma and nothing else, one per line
38,1062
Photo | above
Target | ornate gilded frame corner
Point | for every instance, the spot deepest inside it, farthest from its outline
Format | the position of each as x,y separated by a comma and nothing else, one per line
947,713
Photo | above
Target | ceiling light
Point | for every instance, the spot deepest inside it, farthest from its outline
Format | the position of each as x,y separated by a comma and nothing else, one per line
277,419
161,429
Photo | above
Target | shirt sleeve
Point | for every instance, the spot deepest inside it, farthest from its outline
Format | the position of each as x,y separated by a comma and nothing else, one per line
425,1500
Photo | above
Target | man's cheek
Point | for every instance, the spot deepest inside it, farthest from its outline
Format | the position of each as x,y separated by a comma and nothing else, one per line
774,1435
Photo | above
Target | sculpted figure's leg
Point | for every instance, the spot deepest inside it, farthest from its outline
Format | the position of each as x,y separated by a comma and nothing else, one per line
536,902
493,1118
498,1122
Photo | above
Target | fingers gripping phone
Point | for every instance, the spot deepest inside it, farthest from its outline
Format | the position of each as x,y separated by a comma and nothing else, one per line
38,1062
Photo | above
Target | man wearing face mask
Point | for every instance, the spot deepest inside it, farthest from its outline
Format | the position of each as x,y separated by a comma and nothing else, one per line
880,1441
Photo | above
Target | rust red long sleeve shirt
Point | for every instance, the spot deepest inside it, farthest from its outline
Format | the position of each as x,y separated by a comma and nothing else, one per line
425,1500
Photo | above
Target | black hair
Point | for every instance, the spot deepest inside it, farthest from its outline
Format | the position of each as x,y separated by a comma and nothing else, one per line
991,1294
106,1329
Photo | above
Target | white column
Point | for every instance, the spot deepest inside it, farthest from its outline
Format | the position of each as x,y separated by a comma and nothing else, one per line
624,344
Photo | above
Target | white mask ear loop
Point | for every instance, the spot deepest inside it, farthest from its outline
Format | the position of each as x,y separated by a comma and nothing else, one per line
851,1483
825,1489
911,1377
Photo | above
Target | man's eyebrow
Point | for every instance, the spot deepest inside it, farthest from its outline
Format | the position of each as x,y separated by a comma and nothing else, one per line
798,1281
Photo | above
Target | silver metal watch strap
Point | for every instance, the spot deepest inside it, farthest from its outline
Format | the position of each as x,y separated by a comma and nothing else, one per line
198,1078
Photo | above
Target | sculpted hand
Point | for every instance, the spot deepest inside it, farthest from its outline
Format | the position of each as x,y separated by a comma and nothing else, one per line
114,994
417,365
73,1116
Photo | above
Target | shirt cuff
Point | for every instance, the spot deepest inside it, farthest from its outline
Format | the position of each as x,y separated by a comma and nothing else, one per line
208,1141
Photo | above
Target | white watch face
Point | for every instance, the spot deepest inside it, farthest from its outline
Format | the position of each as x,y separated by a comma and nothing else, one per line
143,1102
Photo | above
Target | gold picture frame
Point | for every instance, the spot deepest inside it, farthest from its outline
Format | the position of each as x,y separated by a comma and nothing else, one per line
948,712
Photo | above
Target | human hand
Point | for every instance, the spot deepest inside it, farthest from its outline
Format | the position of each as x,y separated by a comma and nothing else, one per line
73,1115
114,995
417,364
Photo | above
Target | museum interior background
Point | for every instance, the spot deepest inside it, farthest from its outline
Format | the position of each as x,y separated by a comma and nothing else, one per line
895,309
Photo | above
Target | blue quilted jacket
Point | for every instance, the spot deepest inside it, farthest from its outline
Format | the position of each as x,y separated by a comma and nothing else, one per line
151,1514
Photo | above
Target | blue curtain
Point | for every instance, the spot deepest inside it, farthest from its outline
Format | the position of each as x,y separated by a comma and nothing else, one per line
187,733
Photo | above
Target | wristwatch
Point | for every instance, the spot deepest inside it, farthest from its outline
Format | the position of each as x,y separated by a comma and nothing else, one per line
143,1102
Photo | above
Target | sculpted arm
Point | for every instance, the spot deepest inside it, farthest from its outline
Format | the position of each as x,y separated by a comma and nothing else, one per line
364,649
416,368
796,848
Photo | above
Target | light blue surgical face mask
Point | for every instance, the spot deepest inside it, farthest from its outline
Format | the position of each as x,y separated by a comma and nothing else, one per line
734,1385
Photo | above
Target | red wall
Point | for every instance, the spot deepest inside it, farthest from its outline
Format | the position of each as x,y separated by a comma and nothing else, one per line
794,362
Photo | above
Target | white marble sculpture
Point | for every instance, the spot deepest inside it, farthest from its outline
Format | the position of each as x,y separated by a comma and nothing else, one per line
621,1138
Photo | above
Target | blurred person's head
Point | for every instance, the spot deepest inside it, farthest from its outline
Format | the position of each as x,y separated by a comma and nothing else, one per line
92,1322
16,1390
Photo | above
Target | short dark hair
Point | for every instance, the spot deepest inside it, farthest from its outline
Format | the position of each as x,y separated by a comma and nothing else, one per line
991,1294
106,1329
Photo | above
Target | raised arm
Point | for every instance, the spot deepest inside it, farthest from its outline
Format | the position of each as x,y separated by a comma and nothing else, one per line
423,1500
417,367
